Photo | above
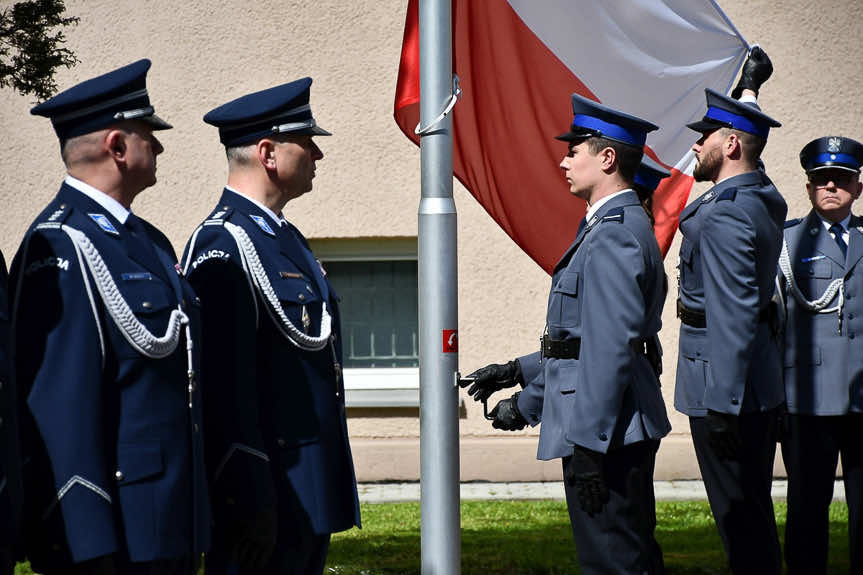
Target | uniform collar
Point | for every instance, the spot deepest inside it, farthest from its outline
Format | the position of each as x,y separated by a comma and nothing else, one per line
277,218
828,224
112,206
599,203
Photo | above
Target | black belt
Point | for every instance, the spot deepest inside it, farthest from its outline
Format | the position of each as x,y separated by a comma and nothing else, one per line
696,317
691,317
560,348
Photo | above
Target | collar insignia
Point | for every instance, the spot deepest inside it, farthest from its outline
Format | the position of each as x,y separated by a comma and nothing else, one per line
103,222
262,223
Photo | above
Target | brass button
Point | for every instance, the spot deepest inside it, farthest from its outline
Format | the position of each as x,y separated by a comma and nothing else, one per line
301,297
62,206
146,305
119,475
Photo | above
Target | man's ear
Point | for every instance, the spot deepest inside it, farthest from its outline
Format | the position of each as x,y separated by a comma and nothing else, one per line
857,189
115,145
608,156
265,151
733,147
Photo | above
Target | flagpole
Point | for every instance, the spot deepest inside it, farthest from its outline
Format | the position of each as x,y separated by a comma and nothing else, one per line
440,536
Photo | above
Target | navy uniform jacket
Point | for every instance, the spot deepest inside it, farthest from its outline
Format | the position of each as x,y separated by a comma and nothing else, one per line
10,462
115,452
823,366
608,289
731,240
277,430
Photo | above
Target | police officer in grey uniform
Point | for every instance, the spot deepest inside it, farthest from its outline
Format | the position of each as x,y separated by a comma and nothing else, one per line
594,384
821,280
104,339
729,368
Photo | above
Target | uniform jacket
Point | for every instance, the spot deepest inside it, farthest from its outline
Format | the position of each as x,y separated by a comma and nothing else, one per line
731,240
10,459
823,368
275,413
608,289
114,450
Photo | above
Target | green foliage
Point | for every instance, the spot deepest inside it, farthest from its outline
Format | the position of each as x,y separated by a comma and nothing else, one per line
534,538
31,46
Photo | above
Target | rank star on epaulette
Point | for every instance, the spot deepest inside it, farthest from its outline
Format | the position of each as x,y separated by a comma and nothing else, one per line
708,197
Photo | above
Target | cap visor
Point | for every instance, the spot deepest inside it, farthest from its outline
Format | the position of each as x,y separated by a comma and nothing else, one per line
703,126
572,136
318,131
832,167
156,122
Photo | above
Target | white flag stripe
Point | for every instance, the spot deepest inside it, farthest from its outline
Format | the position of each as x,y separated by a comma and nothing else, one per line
649,58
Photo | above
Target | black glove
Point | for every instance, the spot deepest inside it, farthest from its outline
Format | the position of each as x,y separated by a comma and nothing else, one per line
492,378
756,70
252,539
507,416
584,472
103,565
723,434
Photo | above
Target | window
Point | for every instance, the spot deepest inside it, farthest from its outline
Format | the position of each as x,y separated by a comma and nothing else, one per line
376,280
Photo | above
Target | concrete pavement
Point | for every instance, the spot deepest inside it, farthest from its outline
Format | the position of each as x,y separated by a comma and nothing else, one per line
665,491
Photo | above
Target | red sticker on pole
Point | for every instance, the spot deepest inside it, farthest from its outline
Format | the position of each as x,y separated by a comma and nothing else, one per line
450,341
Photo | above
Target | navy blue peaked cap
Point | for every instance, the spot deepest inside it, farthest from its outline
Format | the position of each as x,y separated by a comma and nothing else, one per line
280,110
725,112
99,102
591,118
832,152
649,174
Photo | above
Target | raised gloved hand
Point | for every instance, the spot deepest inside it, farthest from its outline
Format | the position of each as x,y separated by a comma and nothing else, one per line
723,434
253,539
103,565
507,416
756,70
491,378
584,472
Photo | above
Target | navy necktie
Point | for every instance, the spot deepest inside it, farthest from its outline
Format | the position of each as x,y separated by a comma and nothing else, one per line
837,230
581,225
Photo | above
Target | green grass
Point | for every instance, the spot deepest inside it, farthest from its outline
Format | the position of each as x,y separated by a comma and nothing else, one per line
534,538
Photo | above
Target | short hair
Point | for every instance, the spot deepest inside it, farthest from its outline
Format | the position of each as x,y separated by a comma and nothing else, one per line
750,144
79,149
239,156
628,157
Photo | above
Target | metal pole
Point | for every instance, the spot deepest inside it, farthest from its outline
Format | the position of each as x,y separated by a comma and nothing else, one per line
438,303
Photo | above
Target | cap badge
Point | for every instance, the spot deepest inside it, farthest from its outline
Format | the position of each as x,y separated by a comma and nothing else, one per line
834,144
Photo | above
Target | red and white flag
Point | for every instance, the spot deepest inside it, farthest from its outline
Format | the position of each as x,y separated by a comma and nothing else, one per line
519,60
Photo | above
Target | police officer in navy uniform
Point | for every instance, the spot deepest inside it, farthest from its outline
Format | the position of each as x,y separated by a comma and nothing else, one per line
105,353
729,379
647,178
10,461
594,385
821,280
279,461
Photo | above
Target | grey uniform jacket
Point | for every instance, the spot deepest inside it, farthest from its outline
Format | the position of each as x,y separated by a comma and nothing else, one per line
823,365
731,240
608,289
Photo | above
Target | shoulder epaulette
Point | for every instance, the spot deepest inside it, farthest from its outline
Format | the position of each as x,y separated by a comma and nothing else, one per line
219,215
792,223
728,194
55,218
614,215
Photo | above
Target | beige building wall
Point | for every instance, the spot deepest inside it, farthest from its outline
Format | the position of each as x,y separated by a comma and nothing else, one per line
205,53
